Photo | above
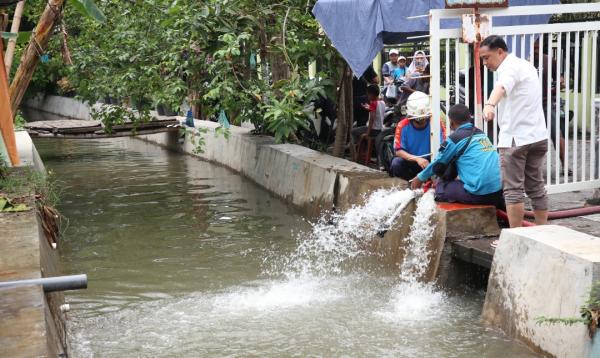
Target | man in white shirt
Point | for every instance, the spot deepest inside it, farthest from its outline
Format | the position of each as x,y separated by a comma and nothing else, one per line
522,139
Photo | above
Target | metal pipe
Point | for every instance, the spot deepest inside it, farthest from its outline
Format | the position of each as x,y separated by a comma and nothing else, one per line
563,214
51,284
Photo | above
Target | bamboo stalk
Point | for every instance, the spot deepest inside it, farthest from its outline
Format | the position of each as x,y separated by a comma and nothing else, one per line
6,117
31,56
12,43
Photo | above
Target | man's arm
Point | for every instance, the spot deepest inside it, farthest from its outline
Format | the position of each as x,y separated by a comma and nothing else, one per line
412,158
489,109
447,151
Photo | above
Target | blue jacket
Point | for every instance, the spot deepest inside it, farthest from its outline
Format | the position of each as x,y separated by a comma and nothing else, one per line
478,167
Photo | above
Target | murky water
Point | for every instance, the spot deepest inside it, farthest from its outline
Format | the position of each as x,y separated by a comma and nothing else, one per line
185,258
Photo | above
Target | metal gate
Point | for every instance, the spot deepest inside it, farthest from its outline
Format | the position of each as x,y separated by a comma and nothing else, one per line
569,50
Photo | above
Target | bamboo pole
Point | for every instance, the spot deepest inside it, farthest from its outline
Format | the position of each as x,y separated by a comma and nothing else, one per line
31,56
12,43
6,118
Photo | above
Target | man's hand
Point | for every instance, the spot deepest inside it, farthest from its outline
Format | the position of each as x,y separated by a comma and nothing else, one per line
423,163
366,106
489,112
416,183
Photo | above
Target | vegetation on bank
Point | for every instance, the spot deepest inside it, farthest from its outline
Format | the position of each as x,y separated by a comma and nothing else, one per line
245,59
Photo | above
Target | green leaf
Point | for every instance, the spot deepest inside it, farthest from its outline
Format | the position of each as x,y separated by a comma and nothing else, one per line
89,9
3,203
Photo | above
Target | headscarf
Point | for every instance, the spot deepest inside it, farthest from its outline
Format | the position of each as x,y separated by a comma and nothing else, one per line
419,56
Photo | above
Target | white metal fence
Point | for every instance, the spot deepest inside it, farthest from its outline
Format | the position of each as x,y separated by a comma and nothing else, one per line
568,50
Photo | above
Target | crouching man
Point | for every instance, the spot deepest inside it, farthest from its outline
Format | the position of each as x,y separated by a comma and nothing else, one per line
412,141
467,164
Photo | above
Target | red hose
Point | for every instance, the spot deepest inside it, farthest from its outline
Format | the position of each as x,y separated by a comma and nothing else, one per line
503,215
563,214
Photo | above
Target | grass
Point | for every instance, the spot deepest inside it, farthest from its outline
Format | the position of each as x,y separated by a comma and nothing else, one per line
24,185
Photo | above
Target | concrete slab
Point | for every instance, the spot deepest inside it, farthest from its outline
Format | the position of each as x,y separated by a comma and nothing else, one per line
543,271
469,221
22,327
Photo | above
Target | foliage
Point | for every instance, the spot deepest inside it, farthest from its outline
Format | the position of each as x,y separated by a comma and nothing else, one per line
590,313
19,184
19,120
221,55
196,137
113,115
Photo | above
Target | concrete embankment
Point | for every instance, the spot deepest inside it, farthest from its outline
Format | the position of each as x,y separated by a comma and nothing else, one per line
31,322
536,271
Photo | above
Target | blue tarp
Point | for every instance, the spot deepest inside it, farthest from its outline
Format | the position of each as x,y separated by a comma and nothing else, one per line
359,28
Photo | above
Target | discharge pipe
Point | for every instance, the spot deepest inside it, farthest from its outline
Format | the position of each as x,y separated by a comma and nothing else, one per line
563,214
51,284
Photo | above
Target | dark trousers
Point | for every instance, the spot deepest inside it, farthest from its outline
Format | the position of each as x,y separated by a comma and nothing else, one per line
454,192
404,169
361,115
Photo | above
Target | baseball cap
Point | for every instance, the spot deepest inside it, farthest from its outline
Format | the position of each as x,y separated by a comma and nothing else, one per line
393,52
401,58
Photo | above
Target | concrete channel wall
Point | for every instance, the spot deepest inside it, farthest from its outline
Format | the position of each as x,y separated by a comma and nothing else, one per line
31,322
311,180
536,271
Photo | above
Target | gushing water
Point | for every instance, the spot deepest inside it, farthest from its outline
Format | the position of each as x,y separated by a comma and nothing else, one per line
339,238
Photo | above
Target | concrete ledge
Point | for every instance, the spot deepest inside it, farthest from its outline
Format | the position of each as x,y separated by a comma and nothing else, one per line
27,152
62,106
543,271
306,178
31,323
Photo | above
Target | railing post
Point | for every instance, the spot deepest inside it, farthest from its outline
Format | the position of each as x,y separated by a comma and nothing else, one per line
434,43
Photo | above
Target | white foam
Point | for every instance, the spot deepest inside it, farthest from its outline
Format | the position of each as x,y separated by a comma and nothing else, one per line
278,295
339,238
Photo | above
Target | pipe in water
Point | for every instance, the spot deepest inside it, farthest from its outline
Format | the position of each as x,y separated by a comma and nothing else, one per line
51,284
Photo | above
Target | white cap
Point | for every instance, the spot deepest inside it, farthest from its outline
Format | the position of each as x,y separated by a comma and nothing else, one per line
401,58
394,51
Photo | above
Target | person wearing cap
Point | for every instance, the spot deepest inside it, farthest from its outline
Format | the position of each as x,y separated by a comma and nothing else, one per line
412,142
477,179
400,71
387,71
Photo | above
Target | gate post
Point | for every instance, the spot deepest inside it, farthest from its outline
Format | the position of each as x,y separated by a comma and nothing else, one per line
435,71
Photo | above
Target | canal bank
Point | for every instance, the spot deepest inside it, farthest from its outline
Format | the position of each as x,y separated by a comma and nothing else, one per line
297,168
32,323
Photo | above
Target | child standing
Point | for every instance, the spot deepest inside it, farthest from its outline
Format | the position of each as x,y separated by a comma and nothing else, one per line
376,108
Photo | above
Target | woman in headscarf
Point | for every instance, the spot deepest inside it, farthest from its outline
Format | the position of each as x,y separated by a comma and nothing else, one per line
418,63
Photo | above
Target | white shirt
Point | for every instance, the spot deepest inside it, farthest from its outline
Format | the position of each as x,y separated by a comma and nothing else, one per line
520,113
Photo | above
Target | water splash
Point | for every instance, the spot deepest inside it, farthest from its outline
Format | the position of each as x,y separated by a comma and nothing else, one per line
417,258
412,299
338,239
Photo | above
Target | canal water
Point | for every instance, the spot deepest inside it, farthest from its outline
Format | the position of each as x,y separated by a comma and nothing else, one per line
188,259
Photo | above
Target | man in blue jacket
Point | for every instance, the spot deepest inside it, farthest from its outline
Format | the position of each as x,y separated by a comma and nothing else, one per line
479,180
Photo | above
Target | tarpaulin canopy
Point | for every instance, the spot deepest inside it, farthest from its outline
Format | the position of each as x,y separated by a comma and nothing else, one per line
359,28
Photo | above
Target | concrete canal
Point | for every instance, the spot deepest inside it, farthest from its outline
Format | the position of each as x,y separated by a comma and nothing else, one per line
186,258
